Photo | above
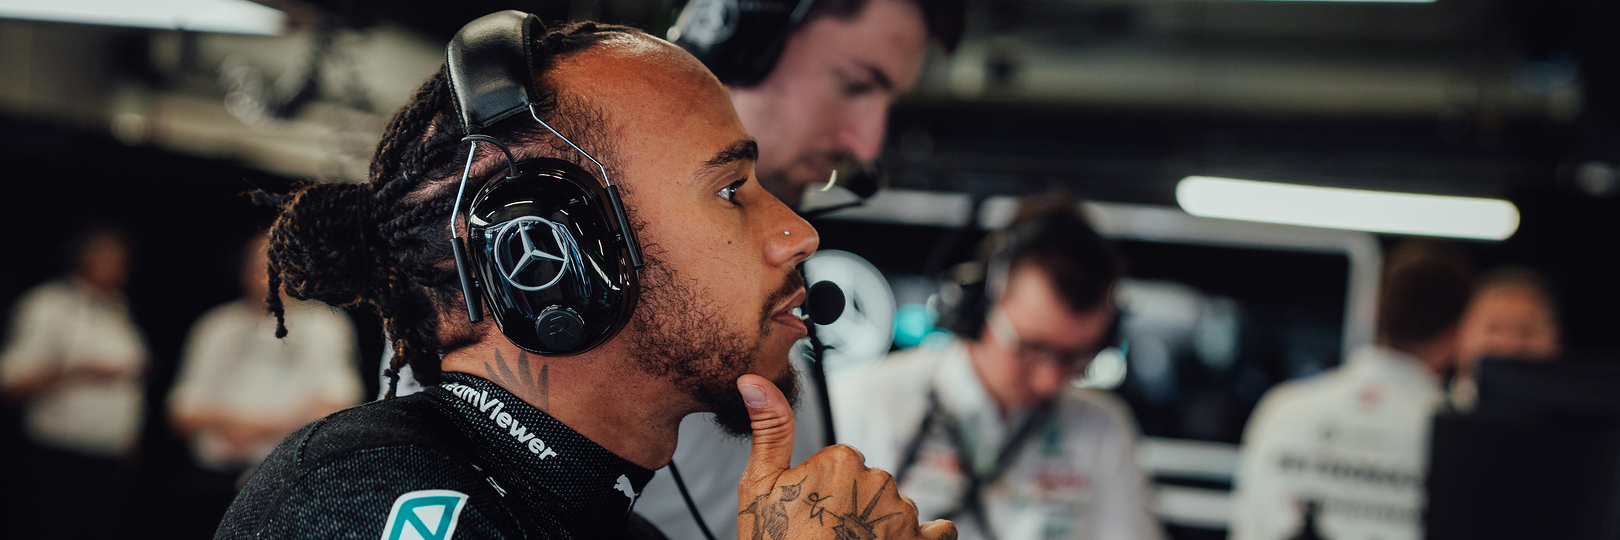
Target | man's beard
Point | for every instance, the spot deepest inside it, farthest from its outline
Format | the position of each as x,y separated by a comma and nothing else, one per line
680,335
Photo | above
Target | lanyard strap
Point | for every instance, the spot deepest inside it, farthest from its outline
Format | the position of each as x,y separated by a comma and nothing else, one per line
972,497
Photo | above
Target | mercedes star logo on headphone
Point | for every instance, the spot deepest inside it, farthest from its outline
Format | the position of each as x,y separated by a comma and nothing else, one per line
530,253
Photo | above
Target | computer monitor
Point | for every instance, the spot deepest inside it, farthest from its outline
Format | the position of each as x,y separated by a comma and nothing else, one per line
1539,457
1569,384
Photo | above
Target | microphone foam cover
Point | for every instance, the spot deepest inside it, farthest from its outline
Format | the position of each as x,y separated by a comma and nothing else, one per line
824,302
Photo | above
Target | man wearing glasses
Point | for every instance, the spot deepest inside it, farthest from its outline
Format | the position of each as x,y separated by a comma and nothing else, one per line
988,430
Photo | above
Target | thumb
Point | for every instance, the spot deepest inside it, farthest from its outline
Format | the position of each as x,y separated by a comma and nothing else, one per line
772,421
938,529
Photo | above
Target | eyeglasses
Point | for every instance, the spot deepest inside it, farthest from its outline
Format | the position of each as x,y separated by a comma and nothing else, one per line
1035,352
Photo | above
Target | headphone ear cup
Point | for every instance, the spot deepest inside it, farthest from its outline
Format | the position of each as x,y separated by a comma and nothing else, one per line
559,328
556,276
962,301
739,40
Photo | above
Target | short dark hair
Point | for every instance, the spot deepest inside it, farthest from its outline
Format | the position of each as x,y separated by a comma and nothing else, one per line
945,19
1426,287
1050,233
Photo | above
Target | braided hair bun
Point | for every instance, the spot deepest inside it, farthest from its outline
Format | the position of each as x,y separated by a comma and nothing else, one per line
319,248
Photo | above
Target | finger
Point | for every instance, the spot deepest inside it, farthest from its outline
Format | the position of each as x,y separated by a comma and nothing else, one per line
772,421
938,529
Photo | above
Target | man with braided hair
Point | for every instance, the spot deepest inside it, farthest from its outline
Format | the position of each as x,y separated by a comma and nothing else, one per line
505,444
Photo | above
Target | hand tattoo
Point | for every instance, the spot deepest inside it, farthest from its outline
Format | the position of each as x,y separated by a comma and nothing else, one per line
860,527
770,516
816,510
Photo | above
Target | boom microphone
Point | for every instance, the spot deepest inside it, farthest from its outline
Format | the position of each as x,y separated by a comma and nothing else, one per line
824,303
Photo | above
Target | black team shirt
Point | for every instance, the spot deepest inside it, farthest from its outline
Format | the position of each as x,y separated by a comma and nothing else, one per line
464,459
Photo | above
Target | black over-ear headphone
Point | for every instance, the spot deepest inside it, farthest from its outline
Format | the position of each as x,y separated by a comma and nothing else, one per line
968,291
548,245
740,40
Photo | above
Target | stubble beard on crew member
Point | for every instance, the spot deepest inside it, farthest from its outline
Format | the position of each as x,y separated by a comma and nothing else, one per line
680,335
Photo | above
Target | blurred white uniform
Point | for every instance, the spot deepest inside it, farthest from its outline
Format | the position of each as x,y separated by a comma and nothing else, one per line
1355,439
63,324
236,367
1076,476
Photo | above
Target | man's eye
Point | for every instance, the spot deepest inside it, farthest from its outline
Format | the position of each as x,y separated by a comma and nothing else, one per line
857,88
730,191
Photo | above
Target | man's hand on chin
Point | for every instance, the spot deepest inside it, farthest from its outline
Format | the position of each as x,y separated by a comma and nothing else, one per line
831,495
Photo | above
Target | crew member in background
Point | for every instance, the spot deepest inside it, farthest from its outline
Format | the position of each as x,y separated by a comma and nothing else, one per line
989,430
75,362
241,390
1352,444
1512,315
825,101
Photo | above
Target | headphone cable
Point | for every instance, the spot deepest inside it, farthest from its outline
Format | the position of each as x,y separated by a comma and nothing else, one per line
692,506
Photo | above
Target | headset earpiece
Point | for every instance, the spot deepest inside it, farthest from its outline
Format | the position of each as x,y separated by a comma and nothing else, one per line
551,241
962,300
555,278
739,40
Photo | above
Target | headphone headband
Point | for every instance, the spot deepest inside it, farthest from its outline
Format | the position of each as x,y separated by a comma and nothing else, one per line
491,68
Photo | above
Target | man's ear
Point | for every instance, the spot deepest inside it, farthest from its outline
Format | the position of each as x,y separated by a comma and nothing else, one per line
1447,349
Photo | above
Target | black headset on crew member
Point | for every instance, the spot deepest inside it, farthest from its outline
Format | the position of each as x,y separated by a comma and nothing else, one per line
739,40
968,291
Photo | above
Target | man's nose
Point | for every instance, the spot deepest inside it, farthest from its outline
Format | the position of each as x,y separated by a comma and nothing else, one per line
1047,379
862,132
791,240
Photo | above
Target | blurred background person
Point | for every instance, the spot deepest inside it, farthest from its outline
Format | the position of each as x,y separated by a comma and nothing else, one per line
826,101
74,362
1512,315
990,430
241,390
1343,454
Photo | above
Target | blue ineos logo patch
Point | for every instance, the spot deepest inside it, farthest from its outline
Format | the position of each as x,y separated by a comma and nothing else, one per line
425,515
533,253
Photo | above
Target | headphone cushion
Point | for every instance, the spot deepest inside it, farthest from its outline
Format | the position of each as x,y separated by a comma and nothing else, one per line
554,272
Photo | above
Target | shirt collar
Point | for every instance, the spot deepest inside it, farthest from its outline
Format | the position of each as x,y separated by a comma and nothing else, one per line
963,396
958,385
540,460
1389,364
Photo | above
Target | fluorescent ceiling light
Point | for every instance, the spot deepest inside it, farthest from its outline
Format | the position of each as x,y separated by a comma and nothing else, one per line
1354,209
228,16
1365,1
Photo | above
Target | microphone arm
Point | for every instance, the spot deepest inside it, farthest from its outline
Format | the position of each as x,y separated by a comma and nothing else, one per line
824,303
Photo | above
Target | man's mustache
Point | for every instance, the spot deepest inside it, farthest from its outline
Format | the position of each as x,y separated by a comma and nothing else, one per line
791,285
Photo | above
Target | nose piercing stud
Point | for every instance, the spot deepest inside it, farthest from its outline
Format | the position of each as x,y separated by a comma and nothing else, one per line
785,233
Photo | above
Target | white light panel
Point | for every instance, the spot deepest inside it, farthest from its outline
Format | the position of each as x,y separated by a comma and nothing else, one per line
225,16
1353,209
